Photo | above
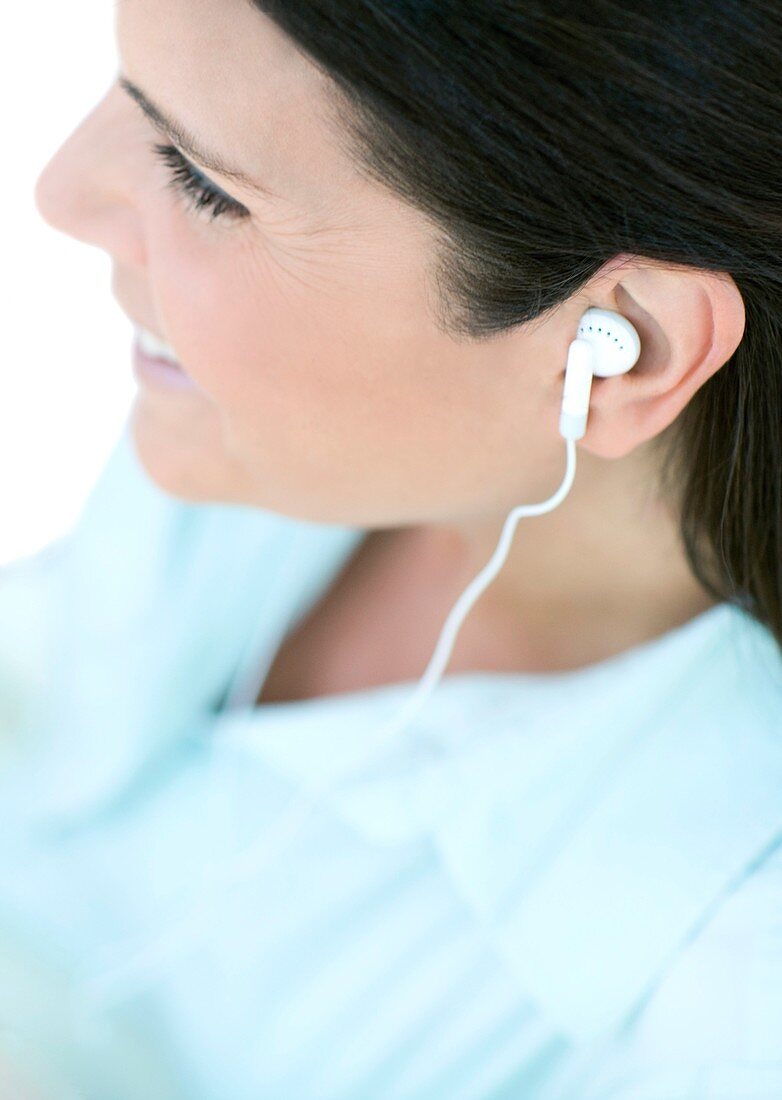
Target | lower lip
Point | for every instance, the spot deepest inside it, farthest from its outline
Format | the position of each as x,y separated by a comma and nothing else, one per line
158,373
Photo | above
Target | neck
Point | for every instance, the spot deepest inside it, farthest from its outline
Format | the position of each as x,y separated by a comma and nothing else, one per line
603,572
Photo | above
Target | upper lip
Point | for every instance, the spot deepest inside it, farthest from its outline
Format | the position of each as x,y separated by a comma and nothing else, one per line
140,324
147,328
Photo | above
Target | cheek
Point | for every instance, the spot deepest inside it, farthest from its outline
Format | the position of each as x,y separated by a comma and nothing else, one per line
272,351
335,402
224,312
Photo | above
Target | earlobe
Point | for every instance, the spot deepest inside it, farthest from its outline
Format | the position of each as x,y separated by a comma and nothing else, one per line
690,325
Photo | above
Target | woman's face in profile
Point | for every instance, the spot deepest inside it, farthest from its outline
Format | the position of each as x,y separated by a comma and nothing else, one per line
296,293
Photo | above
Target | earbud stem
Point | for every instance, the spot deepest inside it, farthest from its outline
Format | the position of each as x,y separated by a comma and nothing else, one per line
577,390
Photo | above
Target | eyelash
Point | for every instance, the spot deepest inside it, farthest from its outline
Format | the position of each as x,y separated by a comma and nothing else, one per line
189,184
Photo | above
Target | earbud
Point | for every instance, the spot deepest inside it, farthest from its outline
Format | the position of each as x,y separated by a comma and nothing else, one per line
607,344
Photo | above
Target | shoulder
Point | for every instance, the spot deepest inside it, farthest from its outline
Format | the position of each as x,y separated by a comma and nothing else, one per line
709,1026
720,997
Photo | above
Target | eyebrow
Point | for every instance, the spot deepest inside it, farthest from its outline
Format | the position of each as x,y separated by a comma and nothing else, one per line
182,137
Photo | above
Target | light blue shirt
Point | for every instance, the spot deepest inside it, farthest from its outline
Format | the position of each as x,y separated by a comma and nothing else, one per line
556,886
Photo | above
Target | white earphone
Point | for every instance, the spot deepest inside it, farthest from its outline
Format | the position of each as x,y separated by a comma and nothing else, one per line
606,345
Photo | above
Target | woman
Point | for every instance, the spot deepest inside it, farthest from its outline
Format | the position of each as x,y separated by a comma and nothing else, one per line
563,878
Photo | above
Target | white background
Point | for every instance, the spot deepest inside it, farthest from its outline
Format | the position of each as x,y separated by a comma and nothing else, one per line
66,383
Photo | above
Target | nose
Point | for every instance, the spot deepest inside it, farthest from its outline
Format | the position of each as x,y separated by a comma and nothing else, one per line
86,188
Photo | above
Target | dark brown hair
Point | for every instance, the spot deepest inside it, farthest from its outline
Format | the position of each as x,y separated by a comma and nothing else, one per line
543,139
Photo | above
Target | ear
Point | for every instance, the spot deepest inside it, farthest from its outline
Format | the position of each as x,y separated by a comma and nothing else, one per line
690,322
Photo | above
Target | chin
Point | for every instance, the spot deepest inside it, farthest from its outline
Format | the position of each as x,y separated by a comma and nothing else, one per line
165,464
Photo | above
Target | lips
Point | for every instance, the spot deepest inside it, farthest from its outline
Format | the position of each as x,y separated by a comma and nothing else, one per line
159,372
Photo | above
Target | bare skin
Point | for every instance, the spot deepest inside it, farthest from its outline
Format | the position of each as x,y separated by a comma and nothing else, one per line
327,391
381,619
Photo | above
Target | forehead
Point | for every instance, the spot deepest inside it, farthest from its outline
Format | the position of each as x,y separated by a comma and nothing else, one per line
227,73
